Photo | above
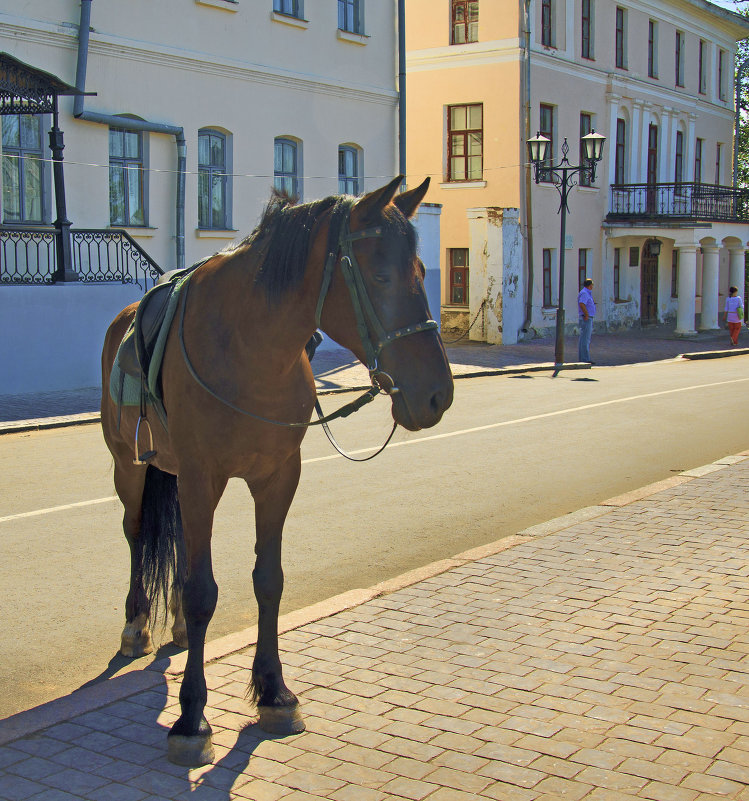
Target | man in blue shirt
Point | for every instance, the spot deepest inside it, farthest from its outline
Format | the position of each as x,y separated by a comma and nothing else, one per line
587,308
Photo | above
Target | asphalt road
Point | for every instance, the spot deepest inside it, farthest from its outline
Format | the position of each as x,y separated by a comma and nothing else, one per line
512,452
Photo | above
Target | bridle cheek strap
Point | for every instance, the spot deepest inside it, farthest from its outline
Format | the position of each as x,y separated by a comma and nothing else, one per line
367,321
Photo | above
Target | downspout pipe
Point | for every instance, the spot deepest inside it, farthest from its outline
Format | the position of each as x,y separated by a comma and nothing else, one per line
402,90
528,182
130,124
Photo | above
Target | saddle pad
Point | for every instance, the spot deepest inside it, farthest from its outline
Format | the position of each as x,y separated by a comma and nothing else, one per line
125,389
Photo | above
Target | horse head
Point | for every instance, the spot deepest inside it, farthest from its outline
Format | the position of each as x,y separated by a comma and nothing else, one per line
377,306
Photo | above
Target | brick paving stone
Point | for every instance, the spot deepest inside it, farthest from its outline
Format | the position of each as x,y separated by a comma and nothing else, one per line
667,792
408,788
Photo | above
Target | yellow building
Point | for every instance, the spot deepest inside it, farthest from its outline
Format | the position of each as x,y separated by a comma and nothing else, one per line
660,230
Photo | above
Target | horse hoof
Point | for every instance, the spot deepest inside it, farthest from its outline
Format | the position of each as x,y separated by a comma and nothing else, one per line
179,637
190,752
136,638
281,720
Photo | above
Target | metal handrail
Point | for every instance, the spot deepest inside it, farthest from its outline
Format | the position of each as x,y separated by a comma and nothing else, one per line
682,200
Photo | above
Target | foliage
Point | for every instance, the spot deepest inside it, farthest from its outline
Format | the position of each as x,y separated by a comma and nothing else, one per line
742,74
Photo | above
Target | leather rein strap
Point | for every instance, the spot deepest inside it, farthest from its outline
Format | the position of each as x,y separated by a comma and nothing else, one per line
340,241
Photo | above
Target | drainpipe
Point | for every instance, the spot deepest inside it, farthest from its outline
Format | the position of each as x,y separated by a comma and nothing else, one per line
130,124
402,90
528,182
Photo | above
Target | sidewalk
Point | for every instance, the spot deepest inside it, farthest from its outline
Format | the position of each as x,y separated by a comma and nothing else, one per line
602,655
336,369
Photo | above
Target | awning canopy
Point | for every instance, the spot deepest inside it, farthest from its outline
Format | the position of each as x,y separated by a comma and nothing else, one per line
27,90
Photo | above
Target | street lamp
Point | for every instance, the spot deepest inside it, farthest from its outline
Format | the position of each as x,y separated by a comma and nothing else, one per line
561,176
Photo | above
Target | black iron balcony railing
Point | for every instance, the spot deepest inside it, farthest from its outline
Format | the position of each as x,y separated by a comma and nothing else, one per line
28,255
684,201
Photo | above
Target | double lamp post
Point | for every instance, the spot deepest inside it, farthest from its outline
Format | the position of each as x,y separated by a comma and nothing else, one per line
562,176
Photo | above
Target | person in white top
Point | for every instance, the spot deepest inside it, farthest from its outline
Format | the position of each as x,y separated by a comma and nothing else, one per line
734,312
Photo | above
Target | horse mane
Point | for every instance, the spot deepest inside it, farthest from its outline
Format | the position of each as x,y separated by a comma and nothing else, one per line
283,236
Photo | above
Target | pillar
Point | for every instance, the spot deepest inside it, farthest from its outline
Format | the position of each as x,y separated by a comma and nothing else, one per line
496,275
686,287
736,269
710,288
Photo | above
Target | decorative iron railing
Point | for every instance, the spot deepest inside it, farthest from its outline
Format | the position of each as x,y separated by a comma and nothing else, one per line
28,255
685,201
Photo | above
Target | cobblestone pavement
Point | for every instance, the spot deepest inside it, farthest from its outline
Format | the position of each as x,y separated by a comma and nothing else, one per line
602,656
336,369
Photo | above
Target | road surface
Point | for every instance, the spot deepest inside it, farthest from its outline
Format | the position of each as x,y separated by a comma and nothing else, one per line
511,452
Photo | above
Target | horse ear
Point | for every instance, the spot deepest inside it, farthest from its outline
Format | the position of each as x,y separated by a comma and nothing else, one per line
371,205
409,201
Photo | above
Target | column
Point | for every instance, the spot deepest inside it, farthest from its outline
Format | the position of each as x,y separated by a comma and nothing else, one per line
736,269
689,149
643,150
687,286
666,146
710,289
635,145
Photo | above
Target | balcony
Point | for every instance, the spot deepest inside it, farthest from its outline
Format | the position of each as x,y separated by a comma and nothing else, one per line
683,202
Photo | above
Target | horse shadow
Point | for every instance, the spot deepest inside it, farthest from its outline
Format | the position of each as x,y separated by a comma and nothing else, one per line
143,720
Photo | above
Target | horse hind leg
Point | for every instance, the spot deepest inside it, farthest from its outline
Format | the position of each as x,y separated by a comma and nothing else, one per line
136,635
179,626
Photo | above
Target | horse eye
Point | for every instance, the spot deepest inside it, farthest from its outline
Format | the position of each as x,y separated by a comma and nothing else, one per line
382,278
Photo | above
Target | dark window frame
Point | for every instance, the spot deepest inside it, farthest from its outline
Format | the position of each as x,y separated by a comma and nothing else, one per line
620,39
289,8
582,267
679,59
620,155
19,159
718,160
465,135
547,23
350,16
130,167
547,299
679,160
283,180
698,149
617,273
586,126
349,183
721,74
701,71
462,270
469,22
546,128
586,29
652,49
674,273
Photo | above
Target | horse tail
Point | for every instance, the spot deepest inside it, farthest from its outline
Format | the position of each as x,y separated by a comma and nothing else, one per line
163,547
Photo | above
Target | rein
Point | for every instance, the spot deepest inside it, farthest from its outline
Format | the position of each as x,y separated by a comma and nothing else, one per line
366,317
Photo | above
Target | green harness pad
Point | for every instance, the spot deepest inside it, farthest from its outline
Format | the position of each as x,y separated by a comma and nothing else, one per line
126,385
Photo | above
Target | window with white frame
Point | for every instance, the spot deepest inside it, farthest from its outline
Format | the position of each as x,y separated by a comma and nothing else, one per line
127,178
213,180
350,16
349,170
286,166
23,169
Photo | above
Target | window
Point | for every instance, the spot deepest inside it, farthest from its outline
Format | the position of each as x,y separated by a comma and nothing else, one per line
212,181
349,180
547,23
586,125
285,166
459,276
634,257
679,59
126,178
465,21
652,49
674,273
722,56
718,154
586,29
621,38
620,174
547,300
582,266
617,273
23,195
679,160
350,16
702,67
292,8
546,128
465,142
698,145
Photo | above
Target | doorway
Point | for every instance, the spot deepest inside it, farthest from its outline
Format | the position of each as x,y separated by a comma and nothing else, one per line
648,288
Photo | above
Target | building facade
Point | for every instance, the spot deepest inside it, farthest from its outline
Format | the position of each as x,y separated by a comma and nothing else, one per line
227,97
660,230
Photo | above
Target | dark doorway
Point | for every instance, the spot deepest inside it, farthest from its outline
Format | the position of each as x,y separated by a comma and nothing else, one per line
652,176
649,288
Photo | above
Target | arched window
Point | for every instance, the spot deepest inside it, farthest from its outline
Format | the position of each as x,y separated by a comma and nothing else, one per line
23,186
286,166
349,170
214,188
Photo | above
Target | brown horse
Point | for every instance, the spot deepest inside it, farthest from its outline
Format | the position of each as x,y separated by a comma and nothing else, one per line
235,368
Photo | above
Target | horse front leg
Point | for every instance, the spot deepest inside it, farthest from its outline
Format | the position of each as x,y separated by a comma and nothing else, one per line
278,707
190,737
129,482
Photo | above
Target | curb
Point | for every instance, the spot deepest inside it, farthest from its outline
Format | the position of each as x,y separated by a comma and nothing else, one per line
714,354
92,697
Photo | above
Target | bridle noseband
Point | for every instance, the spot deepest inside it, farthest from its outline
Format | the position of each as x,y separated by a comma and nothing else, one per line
372,333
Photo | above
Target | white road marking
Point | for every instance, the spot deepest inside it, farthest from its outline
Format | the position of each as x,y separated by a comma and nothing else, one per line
430,438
